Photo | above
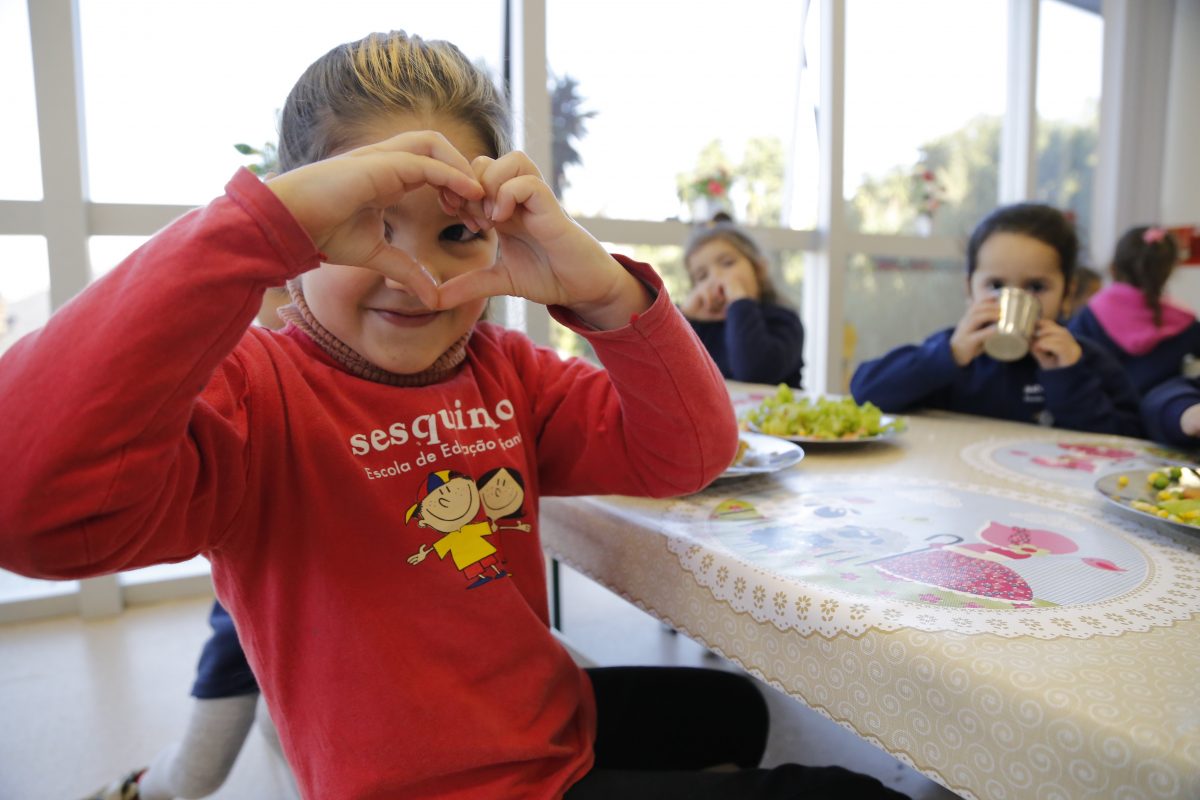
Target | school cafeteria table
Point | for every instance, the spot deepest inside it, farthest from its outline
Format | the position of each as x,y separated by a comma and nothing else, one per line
959,594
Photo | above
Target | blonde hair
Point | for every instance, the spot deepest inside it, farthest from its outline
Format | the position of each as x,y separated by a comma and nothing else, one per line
385,74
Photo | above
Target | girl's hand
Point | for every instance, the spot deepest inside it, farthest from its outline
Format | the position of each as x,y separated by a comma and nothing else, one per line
340,201
544,255
966,343
1053,346
735,287
705,302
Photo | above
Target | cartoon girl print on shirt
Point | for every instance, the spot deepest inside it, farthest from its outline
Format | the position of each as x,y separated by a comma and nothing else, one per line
448,502
502,492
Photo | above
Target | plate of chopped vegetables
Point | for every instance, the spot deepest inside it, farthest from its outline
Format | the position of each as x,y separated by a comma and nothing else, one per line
820,420
1167,494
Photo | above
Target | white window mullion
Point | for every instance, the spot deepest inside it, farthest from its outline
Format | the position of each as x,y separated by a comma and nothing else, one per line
1018,141
532,127
825,283
58,87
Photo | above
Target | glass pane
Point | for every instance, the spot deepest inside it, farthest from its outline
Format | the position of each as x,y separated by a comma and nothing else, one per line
105,252
925,92
220,71
682,100
20,164
896,301
163,572
1068,107
24,287
18,587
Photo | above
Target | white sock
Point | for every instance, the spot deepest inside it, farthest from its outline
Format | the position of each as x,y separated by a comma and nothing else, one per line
200,763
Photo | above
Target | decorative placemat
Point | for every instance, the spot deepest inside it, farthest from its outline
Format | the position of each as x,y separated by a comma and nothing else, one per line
1070,462
844,553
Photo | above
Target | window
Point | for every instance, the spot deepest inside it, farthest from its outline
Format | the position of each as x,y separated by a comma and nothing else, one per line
925,91
1068,108
24,287
20,167
166,134
669,97
895,301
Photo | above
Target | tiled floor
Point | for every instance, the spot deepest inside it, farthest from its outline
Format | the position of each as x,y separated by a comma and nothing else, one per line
82,701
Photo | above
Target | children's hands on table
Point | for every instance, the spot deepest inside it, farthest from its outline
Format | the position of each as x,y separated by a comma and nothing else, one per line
340,201
966,343
1053,345
1189,421
544,255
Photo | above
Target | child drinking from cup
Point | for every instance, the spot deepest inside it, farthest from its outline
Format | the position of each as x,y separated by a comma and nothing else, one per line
735,309
1148,334
309,464
1063,380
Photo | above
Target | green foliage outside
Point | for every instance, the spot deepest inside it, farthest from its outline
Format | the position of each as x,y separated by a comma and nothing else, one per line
965,163
759,177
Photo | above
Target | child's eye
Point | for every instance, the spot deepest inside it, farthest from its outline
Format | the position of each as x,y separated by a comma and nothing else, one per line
459,233
995,284
1037,287
387,233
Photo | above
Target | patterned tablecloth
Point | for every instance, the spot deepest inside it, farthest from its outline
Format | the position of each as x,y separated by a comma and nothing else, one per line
959,596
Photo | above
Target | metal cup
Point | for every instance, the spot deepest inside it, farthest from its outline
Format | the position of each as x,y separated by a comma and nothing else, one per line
1019,313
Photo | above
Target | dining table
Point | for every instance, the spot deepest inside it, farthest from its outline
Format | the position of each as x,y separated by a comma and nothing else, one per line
958,593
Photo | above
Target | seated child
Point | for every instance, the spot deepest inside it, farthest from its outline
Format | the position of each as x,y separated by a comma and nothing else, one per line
328,471
735,310
1146,333
1171,412
1064,381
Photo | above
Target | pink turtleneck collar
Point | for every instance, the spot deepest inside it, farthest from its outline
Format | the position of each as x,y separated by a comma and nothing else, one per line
1122,312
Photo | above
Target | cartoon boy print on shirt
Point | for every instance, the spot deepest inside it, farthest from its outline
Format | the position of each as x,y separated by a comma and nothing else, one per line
448,502
502,491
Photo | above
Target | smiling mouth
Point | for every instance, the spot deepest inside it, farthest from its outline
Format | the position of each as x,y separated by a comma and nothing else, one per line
406,319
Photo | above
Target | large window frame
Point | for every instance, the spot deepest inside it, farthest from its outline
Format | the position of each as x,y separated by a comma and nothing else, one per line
66,218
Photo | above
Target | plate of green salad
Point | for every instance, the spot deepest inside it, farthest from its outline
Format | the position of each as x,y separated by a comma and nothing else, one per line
820,420
1168,494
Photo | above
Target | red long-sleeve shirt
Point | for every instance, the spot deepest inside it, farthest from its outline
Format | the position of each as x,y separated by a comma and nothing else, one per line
146,423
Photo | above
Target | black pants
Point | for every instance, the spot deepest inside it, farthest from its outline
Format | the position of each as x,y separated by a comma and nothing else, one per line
660,728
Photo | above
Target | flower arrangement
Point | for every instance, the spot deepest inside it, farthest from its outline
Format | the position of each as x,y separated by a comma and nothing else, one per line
707,193
714,184
929,191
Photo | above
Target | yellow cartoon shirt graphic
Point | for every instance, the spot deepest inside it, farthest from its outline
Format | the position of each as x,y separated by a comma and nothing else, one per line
448,502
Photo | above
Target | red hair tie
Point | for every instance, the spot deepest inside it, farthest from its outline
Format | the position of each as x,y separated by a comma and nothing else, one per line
1153,235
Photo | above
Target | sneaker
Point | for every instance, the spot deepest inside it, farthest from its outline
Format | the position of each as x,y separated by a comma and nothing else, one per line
124,788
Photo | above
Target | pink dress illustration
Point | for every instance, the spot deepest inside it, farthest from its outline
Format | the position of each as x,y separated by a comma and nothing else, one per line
980,569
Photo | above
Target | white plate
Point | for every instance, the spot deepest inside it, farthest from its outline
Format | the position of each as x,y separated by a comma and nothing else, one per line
764,454
883,420
1136,489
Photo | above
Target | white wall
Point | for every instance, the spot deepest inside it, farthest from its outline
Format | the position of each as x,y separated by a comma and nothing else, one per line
1181,172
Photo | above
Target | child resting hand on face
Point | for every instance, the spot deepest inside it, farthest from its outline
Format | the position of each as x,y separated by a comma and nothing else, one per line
735,310
1065,381
396,620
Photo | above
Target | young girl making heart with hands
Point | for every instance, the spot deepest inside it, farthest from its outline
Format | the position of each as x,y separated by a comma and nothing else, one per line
308,464
1064,381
